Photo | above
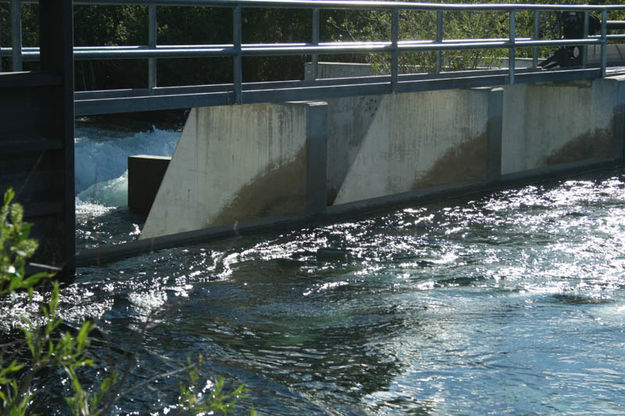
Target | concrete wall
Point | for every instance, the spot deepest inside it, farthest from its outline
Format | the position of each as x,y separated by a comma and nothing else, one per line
614,53
418,140
549,124
234,163
338,70
403,142
385,145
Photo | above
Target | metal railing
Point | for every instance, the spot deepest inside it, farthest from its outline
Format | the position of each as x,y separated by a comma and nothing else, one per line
392,46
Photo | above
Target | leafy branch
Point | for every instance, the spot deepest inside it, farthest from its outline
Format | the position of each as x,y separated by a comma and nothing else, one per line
42,347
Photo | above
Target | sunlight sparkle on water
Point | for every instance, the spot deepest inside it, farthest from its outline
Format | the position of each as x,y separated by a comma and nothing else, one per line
508,303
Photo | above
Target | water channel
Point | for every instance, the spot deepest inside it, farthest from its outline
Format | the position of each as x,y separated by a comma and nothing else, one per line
511,302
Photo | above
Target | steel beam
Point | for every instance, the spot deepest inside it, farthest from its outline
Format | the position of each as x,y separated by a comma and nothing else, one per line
439,39
512,47
152,40
237,58
315,41
604,41
536,37
16,35
89,104
394,48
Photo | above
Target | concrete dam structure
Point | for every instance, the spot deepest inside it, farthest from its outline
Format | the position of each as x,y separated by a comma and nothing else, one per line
239,163
343,139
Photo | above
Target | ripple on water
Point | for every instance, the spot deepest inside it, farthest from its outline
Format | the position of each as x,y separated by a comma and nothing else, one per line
510,303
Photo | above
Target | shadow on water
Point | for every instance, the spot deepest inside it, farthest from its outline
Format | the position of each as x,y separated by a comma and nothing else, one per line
289,329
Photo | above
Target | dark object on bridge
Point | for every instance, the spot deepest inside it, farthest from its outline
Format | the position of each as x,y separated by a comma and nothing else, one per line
37,139
572,27
145,174
563,57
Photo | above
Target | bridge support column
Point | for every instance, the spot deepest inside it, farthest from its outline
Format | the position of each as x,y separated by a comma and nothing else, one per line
495,133
619,120
316,157
238,163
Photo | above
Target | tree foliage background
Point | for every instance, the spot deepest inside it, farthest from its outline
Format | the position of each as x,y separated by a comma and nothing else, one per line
128,25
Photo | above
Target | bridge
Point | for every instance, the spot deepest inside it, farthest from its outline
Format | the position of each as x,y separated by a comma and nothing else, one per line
30,152
237,92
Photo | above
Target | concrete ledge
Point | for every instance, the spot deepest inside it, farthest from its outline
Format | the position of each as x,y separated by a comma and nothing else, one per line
558,172
103,255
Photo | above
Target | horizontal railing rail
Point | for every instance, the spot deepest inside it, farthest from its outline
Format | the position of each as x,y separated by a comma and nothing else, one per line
349,4
228,50
392,46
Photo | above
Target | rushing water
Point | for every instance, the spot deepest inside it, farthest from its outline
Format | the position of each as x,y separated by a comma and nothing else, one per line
508,303
102,180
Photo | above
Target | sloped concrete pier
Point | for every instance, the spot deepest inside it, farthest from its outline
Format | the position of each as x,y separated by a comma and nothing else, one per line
235,163
257,161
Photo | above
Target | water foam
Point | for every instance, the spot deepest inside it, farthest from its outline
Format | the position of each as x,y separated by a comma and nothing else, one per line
101,160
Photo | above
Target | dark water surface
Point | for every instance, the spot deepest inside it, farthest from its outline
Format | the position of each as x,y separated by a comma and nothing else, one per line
512,303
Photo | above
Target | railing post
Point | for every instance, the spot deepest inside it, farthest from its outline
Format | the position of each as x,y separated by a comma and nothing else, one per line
512,50
237,59
16,35
395,50
604,41
536,37
439,39
495,133
315,41
585,47
619,121
152,35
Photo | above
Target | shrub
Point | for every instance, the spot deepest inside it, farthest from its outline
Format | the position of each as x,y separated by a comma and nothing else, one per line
42,347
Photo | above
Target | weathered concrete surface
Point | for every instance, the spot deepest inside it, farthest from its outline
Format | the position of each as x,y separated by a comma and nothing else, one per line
234,163
417,140
349,120
553,123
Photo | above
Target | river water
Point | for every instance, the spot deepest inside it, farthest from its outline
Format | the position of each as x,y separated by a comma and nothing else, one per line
506,303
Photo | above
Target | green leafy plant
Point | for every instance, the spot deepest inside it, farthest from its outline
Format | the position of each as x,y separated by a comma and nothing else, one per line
15,248
195,400
43,347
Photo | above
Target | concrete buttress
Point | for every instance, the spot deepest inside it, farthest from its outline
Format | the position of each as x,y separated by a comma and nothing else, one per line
236,163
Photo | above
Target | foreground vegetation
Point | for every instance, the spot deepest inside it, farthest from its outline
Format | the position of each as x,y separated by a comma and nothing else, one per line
40,347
